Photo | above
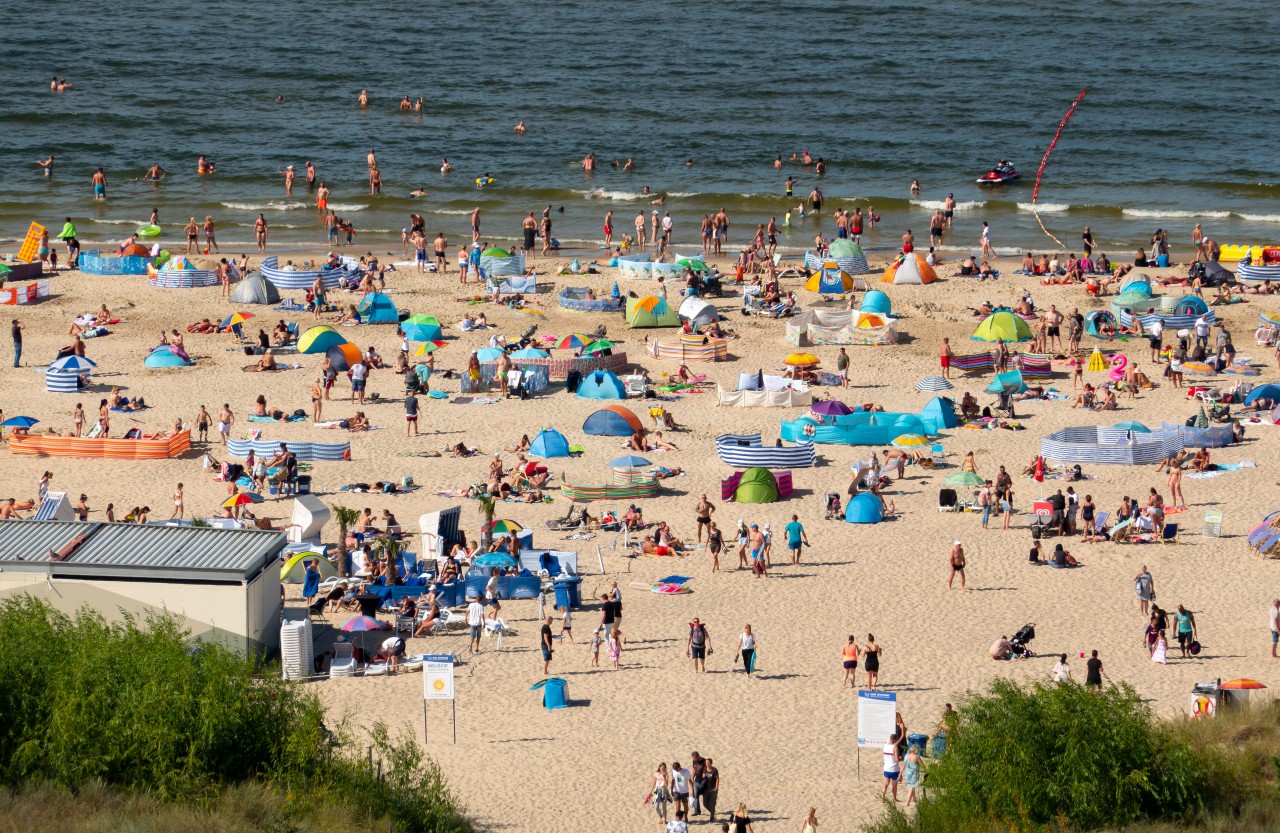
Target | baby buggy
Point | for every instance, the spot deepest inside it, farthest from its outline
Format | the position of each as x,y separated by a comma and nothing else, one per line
832,507
1022,639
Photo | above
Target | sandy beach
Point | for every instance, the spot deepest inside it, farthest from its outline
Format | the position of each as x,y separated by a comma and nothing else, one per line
785,739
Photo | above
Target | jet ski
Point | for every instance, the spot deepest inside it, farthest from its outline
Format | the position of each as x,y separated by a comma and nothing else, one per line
1000,174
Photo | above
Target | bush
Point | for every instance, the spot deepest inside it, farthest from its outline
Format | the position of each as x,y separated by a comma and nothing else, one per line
1061,756
132,705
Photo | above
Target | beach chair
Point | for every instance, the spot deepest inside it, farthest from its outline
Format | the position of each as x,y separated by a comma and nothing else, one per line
496,628
344,662
1169,535
948,500
936,453
1100,522
636,385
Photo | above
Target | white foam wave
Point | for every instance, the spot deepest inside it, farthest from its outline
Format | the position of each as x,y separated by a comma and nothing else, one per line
270,205
120,222
1154,213
1260,218
339,206
617,196
1044,207
457,211
275,225
688,194
932,205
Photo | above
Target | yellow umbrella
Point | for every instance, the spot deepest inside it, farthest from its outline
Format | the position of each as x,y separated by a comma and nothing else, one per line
801,360
1097,362
910,441
429,347
534,312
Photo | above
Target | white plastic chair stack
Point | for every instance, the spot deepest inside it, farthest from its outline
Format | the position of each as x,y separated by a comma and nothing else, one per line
297,659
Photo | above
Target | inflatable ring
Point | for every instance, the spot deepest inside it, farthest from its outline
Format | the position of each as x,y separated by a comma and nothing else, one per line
148,231
484,180
1119,362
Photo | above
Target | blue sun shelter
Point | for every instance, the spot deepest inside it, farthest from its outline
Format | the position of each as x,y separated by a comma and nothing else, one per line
864,508
877,302
549,443
602,384
940,413
612,421
377,308
164,357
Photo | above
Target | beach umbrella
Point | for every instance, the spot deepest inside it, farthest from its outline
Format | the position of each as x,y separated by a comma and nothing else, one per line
489,354
629,461
962,479
241,499
830,407
910,441
597,347
1242,684
19,422
73,364
696,264
494,251
1199,369
934,384
1270,318
429,347
421,328
360,624
801,360
1002,326
236,318
343,356
501,560
531,353
536,313
1097,361
502,525
1241,370
319,338
1202,421
573,341
1132,426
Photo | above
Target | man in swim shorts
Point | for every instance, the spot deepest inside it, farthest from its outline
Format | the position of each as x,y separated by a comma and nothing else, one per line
703,511
697,644
949,209
475,225
99,185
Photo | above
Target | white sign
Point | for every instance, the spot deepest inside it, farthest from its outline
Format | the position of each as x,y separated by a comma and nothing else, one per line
437,677
877,717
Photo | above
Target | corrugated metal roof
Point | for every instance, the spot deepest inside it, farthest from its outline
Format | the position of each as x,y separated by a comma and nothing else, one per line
32,540
146,551
177,548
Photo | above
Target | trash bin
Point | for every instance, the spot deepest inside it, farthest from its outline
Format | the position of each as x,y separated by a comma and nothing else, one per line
918,741
304,484
555,692
568,593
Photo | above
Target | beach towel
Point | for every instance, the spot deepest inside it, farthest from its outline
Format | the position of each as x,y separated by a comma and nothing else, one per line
1220,469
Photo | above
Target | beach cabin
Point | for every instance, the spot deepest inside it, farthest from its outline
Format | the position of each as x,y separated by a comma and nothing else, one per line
221,584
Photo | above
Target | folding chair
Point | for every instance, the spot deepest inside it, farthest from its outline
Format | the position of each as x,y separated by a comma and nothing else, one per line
948,500
1169,535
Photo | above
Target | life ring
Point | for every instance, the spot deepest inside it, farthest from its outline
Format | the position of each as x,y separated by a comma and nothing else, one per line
1202,706
484,180
148,231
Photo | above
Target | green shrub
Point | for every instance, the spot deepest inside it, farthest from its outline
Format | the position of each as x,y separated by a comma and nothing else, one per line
132,705
1027,758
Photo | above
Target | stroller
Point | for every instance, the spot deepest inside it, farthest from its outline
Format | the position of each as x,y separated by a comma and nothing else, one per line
1022,639
832,511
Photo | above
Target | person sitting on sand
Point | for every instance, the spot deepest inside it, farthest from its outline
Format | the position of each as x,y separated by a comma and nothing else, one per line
260,406
1200,462
659,444
359,422
123,403
632,518
1001,649
1108,402
637,441
268,361
280,335
352,316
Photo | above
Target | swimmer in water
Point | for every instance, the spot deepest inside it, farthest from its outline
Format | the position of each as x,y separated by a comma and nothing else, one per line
279,99
311,175
364,99
46,165
372,159
419,192
520,128
688,163
445,167
406,104
915,187
99,183
645,190
630,164
658,201
155,173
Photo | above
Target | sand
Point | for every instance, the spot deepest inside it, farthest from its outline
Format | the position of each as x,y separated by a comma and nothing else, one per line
784,740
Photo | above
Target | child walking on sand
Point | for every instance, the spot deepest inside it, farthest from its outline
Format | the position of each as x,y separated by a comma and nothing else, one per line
596,639
616,641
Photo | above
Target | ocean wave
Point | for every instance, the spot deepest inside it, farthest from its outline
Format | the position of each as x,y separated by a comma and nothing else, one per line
617,196
456,211
339,206
1044,207
1259,218
932,205
1155,213
119,222
275,225
270,205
